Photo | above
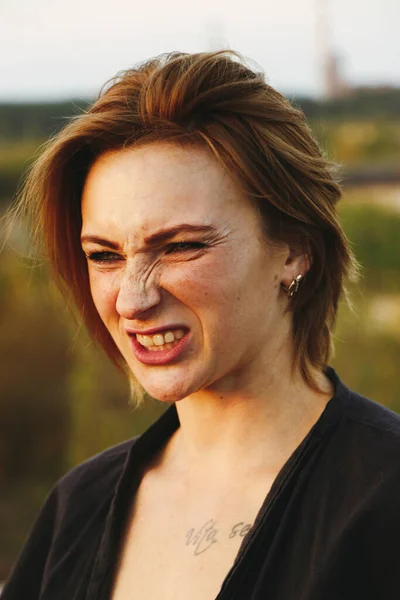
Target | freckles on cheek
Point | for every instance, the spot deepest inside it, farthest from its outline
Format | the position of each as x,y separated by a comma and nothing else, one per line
197,283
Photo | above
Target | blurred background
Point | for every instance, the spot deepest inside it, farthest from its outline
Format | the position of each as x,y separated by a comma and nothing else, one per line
60,400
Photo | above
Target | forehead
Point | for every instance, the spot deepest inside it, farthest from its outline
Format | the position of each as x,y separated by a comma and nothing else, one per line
157,186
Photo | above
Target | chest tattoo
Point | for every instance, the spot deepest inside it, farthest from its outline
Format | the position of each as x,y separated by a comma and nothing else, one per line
200,540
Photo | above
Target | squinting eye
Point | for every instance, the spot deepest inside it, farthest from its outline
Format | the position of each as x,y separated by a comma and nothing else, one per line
184,247
102,257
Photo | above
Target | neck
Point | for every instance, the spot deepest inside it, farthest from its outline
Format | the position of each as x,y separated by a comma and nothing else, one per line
247,423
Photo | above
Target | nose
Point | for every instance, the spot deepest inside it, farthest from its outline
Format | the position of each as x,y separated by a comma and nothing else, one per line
137,295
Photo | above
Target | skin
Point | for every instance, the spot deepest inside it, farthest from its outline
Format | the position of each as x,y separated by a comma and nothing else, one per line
242,408
227,294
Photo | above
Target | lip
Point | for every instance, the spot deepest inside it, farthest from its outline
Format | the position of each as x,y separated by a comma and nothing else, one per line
160,357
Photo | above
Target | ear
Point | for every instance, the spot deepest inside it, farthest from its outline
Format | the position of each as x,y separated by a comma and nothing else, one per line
298,262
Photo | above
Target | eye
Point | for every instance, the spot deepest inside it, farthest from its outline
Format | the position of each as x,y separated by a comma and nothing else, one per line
102,257
178,247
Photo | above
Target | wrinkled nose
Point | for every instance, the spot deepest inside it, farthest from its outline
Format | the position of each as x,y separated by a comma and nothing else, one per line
136,296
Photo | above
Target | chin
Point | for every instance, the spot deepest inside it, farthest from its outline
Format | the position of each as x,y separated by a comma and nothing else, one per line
166,388
165,393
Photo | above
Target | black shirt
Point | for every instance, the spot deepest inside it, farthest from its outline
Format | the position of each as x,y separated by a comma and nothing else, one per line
329,528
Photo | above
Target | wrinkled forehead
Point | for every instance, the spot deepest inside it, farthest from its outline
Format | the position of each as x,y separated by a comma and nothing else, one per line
144,189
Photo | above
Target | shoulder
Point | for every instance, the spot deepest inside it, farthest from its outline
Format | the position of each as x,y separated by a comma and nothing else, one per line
108,461
365,413
96,477
370,414
364,449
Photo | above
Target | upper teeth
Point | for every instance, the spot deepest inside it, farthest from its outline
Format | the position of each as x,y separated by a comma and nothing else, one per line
160,338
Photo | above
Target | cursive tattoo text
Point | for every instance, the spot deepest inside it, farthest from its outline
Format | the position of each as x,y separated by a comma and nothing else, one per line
202,539
209,534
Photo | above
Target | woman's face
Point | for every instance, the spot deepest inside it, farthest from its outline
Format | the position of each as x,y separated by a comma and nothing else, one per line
178,270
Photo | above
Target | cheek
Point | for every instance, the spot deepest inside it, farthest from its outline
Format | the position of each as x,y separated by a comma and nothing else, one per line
232,294
194,283
104,291
213,289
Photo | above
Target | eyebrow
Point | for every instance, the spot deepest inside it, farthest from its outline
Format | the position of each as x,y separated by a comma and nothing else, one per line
98,240
155,238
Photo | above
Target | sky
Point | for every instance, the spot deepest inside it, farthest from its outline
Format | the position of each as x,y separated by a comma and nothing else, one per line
58,49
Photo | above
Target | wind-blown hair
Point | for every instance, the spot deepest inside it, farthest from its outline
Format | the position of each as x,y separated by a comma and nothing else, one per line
212,100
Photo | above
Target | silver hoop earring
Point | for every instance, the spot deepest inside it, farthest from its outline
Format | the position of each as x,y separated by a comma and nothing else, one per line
293,287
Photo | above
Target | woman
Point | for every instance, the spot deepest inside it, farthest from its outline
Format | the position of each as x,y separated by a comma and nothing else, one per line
191,216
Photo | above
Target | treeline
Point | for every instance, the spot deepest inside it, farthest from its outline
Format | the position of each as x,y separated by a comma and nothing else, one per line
360,103
36,121
40,121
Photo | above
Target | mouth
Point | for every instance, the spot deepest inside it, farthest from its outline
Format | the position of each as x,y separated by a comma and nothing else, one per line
160,346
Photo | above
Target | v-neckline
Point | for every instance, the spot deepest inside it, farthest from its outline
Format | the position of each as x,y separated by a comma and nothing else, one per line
151,442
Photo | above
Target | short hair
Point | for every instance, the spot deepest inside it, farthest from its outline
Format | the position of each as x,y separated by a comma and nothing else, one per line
216,101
